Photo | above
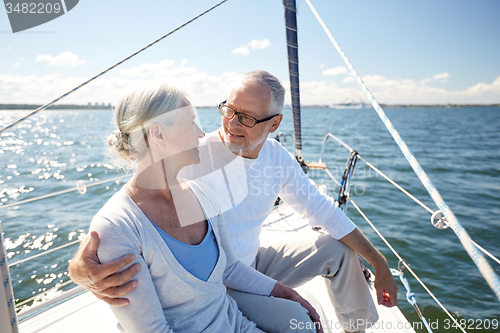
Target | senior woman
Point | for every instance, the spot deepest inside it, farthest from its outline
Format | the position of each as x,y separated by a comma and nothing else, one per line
172,226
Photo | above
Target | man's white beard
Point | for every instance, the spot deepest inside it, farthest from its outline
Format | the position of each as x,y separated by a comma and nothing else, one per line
241,149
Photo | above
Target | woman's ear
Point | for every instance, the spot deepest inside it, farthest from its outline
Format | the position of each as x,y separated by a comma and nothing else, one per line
156,134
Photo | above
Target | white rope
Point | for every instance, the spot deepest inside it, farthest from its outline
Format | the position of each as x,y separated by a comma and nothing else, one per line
405,264
420,203
483,265
399,187
5,283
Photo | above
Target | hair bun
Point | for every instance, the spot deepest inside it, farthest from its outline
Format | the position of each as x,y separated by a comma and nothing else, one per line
118,142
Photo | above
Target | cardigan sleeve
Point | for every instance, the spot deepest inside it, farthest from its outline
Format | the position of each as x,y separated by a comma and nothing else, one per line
144,313
236,275
239,276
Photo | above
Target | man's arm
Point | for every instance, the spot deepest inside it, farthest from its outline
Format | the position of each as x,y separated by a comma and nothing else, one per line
385,285
102,280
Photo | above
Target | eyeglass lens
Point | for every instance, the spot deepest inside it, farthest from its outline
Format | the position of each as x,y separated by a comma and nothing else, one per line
242,118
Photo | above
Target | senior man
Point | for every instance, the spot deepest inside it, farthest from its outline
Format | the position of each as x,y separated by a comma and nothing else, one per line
252,110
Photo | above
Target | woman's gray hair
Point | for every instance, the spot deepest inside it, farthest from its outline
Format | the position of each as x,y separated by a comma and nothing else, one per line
136,111
274,85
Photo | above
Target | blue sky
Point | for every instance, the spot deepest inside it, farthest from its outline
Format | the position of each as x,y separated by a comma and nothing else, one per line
422,52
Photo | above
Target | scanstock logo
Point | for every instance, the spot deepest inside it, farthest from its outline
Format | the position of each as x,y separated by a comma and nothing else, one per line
26,14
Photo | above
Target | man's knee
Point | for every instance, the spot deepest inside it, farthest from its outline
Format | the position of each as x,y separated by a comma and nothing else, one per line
334,252
328,244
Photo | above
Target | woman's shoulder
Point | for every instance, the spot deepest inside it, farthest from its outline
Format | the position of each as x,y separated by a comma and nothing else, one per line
118,210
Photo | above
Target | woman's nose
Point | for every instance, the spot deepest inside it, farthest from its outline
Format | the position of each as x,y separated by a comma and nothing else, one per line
201,134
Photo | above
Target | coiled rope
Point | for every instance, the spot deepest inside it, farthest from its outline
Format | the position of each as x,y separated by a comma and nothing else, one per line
110,68
410,296
485,269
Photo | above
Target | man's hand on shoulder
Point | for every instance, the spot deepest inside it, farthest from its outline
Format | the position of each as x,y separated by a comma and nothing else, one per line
102,280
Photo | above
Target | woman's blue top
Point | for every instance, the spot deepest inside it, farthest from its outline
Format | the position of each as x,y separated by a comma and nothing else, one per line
199,260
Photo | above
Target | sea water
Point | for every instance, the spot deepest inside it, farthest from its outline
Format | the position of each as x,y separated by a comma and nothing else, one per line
459,148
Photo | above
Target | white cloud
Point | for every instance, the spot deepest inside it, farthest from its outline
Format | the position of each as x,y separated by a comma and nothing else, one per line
483,89
205,89
335,71
252,46
396,91
441,76
147,69
68,59
243,50
321,66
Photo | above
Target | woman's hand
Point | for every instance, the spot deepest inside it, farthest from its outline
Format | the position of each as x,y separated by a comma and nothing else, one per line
282,291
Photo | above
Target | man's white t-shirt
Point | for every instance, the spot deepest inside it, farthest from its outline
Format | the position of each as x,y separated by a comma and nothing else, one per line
248,188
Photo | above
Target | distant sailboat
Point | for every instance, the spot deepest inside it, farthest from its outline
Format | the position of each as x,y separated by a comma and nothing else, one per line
348,105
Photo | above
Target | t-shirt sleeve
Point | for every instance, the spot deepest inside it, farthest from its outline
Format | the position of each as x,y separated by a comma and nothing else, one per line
300,192
144,313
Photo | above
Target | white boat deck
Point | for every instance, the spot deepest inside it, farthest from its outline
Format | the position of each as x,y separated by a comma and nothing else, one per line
79,311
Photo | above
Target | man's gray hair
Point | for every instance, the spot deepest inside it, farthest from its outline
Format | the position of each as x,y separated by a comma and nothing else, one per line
274,85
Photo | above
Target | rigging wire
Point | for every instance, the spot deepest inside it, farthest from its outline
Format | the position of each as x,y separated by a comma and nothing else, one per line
484,267
404,263
110,68
45,252
401,260
396,185
61,192
399,187
56,287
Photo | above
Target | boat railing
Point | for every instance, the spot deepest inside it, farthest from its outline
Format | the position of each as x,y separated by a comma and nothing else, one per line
437,219
281,137
81,188
488,273
330,135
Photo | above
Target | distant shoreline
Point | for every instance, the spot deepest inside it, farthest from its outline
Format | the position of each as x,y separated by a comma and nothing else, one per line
7,107
15,107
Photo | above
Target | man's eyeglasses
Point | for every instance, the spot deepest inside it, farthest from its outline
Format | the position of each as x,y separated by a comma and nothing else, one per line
243,118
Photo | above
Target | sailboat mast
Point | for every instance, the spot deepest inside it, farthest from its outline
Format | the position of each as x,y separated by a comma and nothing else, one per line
293,70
